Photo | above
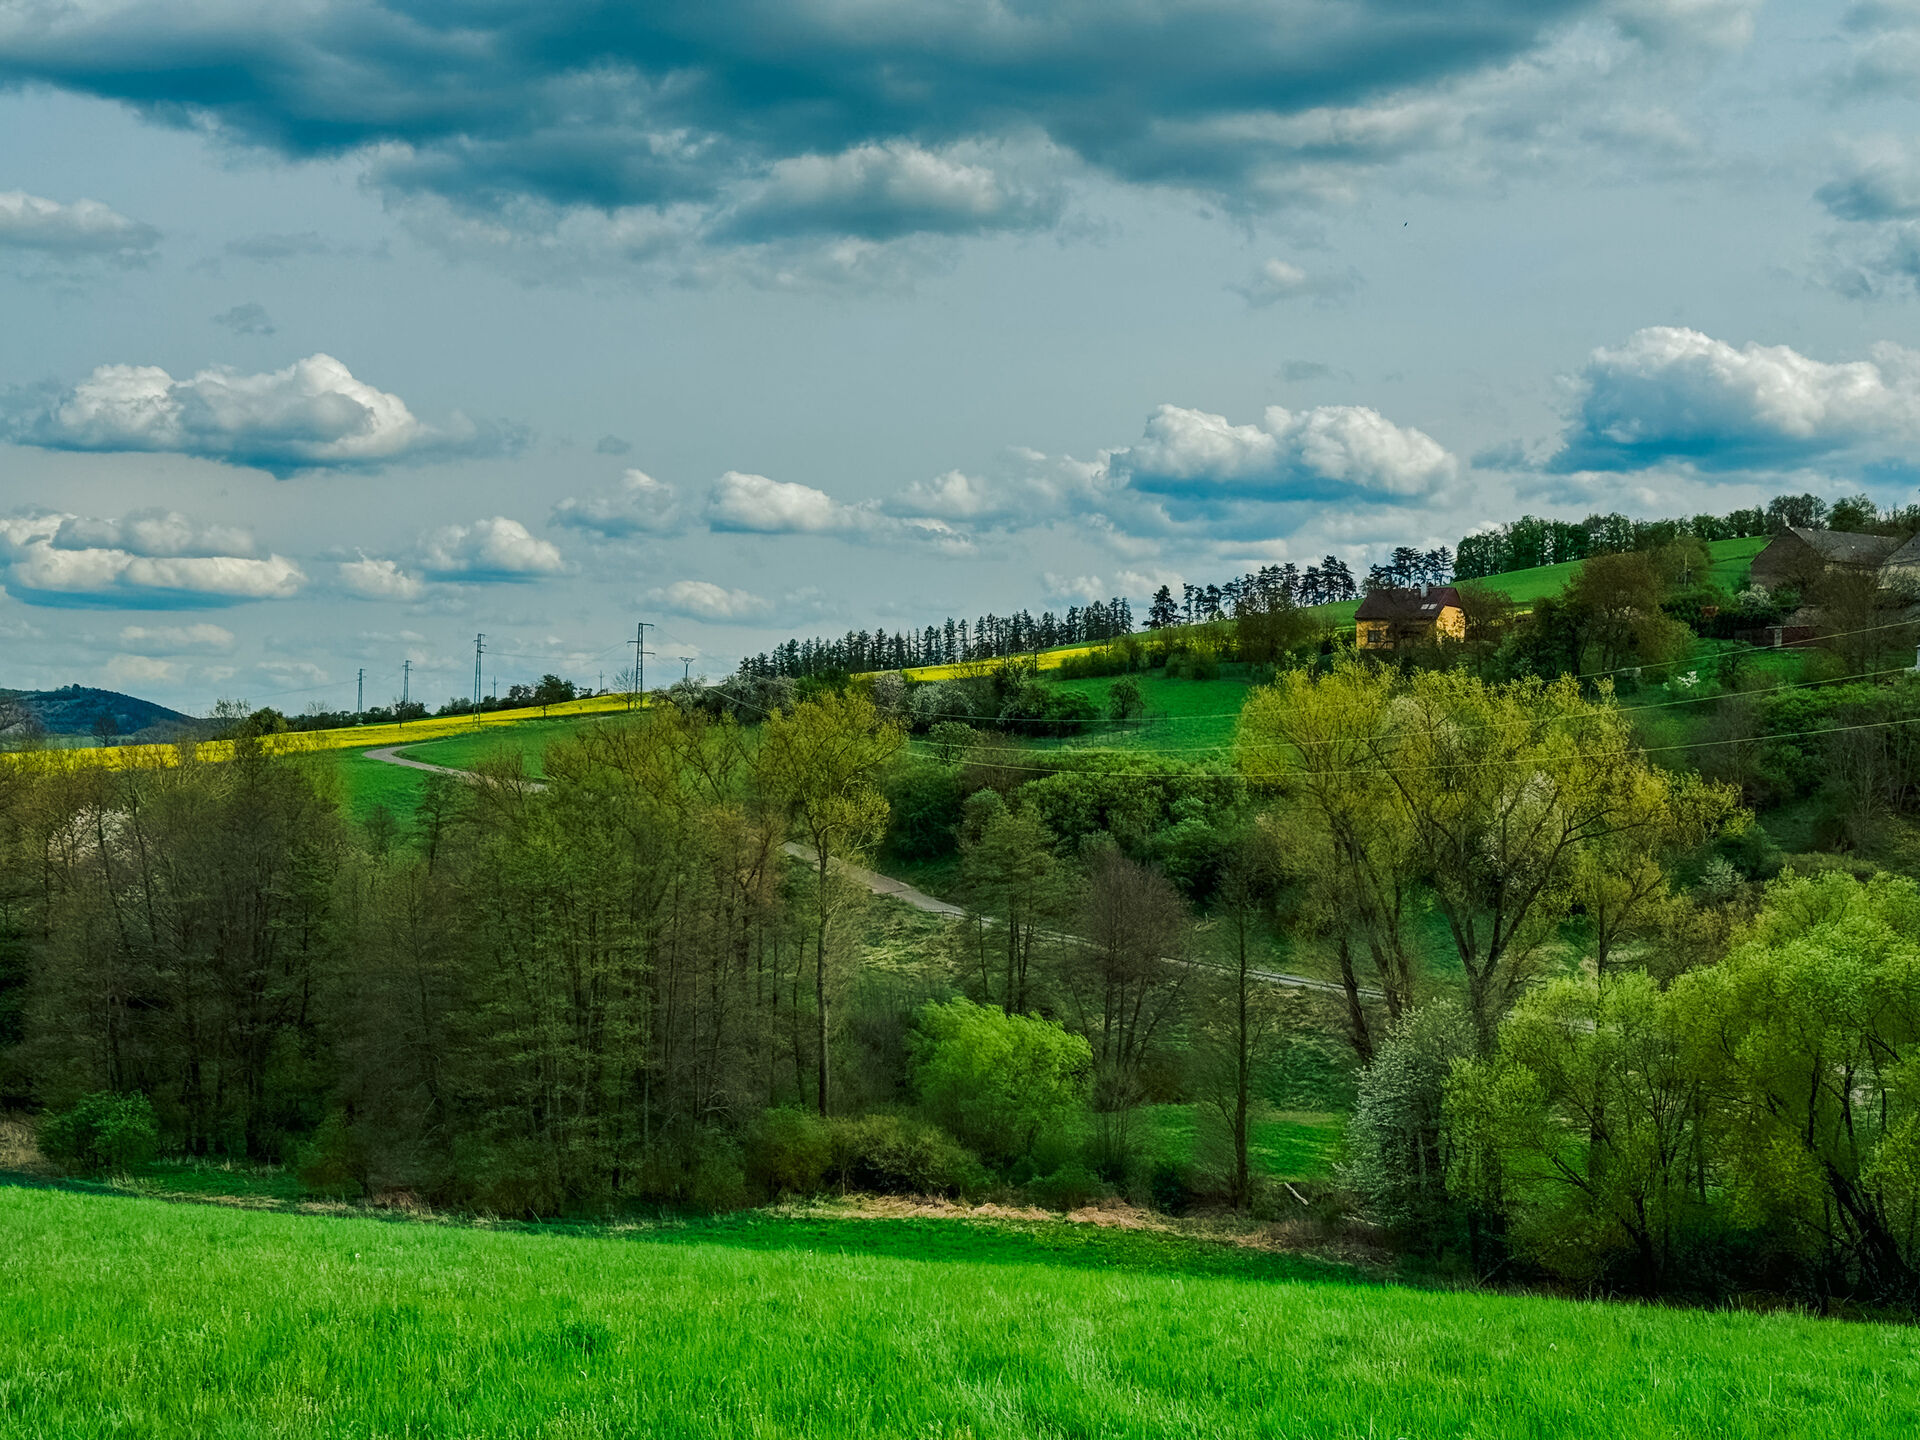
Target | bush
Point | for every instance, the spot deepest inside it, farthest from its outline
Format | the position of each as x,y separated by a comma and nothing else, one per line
1398,1144
788,1152
102,1132
998,1081
1068,1188
334,1162
891,1155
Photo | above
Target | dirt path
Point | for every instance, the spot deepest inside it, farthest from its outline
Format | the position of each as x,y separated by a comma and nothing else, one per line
878,884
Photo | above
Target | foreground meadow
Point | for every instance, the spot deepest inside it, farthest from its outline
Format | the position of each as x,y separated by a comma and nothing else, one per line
135,1317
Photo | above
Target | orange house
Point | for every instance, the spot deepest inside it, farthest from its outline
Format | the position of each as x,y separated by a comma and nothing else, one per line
1390,618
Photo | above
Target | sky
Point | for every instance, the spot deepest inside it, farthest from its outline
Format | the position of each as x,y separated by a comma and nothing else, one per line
333,334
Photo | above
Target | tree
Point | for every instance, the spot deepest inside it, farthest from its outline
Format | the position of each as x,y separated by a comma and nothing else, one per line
105,727
1241,1013
552,690
1010,873
1490,796
1125,983
1808,1028
19,727
819,765
1124,700
997,1081
1399,1150
1614,602
1313,743
1593,1118
1163,611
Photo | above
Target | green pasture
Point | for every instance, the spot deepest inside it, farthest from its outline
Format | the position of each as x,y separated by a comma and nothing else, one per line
365,784
529,740
135,1317
1732,559
1191,718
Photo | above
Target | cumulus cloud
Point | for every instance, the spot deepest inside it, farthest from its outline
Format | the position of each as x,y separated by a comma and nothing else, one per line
491,549
703,600
378,579
1672,394
248,319
884,191
83,228
54,560
175,639
312,415
1278,280
655,130
638,505
754,503
1328,452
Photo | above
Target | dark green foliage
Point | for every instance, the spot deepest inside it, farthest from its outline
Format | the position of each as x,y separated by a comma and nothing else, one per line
1067,1188
923,800
896,1155
334,1161
1128,796
101,1132
1037,710
788,1152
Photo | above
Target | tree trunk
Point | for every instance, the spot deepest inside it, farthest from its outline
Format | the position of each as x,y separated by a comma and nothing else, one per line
820,981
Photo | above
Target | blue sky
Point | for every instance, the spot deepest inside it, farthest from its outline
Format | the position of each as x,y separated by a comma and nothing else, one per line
336,333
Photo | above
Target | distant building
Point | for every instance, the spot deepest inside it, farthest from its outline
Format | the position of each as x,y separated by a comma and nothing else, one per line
1389,618
1797,558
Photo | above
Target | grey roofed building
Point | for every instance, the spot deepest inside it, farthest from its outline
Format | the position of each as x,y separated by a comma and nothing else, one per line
1796,556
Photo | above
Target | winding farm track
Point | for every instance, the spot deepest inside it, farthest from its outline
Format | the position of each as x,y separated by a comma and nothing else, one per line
875,882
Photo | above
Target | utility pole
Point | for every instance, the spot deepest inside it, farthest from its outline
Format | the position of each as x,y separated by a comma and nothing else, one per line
686,668
479,649
406,680
360,693
640,653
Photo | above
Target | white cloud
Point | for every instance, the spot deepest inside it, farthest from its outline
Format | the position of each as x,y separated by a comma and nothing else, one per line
638,505
1078,588
775,507
703,600
1278,280
85,227
312,415
138,670
377,579
1675,394
492,549
174,639
48,560
152,533
1329,452
881,192
953,496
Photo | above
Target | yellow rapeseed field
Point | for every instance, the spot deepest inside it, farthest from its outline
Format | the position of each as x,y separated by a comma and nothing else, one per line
352,737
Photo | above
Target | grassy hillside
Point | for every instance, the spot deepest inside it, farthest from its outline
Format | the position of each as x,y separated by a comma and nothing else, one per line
1189,716
1732,559
135,1317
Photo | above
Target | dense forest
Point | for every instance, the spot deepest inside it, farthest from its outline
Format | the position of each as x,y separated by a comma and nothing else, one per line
1595,1023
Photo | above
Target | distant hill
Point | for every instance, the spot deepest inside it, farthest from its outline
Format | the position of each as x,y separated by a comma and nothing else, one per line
73,709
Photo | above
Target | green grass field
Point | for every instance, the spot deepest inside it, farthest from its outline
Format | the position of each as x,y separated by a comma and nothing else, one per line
529,739
1732,559
135,1317
366,783
1195,717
